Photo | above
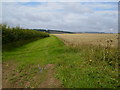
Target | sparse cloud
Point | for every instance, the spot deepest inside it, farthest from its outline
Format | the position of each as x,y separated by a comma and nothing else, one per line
68,16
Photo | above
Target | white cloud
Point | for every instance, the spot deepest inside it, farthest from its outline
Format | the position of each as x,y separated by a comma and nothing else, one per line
60,0
64,16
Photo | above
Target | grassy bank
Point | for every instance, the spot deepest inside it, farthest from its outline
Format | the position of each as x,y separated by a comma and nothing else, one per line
72,67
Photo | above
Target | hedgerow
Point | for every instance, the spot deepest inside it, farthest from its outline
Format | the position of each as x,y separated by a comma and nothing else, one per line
17,34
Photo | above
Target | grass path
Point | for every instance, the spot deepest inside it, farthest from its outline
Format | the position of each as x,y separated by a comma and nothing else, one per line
22,62
49,63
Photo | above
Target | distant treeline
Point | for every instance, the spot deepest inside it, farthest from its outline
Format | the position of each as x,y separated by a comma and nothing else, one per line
18,34
61,31
54,31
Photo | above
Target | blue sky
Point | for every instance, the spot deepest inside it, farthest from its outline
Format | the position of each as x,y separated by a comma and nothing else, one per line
32,3
70,16
113,4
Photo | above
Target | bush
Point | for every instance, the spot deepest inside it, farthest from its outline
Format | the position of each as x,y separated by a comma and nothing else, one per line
17,34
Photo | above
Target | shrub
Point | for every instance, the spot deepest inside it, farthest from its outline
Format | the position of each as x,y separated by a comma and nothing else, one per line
16,34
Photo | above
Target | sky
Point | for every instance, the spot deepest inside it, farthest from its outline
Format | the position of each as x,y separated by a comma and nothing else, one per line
66,16
60,0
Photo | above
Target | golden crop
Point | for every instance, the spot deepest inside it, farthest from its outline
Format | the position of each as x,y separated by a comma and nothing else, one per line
89,39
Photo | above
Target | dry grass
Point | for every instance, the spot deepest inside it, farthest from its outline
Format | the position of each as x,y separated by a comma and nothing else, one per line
94,39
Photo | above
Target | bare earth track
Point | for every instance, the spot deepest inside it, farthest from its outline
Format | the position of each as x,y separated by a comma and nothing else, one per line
50,81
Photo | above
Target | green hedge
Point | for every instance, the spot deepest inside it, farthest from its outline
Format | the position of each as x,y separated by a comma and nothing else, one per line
17,34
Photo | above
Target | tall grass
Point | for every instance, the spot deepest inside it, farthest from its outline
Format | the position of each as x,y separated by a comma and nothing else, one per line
93,66
98,53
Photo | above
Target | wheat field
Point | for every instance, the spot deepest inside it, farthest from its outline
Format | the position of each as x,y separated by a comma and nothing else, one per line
89,39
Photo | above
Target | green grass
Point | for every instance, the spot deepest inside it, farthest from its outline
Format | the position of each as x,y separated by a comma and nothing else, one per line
72,66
